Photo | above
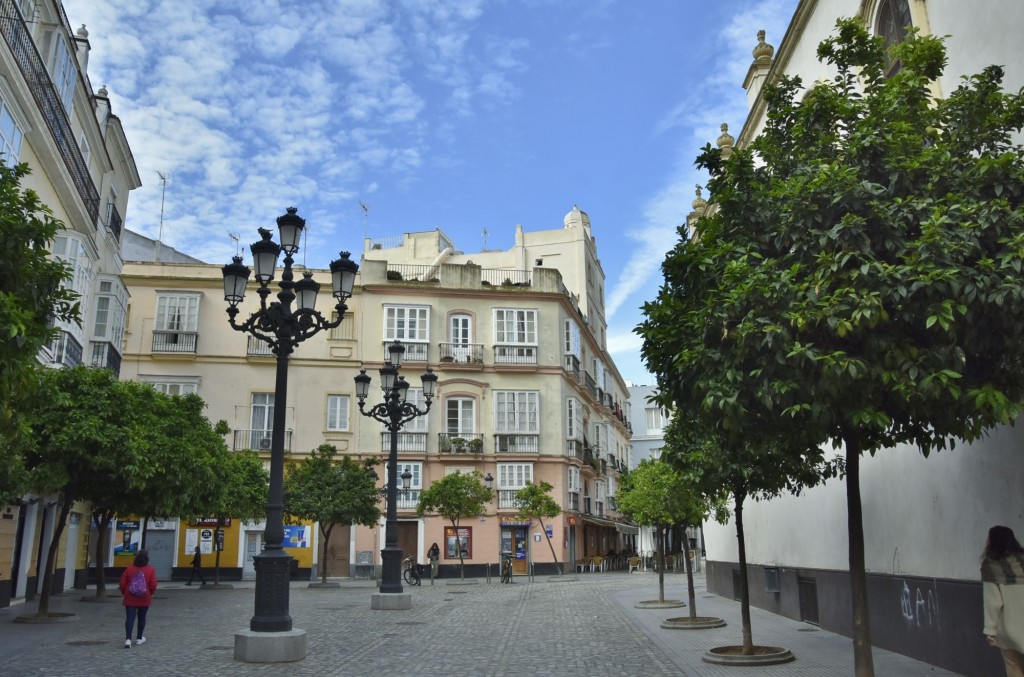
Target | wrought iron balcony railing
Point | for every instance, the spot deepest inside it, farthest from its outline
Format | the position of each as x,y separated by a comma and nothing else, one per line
516,444
258,440
515,354
507,499
105,356
462,354
407,442
175,341
460,443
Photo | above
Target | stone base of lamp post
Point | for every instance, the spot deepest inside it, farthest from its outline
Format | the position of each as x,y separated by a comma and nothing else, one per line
270,647
391,601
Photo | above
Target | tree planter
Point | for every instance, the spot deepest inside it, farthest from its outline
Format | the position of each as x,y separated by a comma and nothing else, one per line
51,617
656,604
697,623
733,655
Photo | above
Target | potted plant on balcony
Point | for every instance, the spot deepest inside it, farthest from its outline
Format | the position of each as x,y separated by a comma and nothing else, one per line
458,445
475,445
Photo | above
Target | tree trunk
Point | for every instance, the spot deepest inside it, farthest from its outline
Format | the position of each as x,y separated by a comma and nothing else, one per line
659,554
748,637
142,536
323,551
458,546
554,557
51,556
863,662
102,522
691,596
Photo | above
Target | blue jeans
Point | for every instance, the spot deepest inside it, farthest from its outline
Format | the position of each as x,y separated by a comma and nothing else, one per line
130,613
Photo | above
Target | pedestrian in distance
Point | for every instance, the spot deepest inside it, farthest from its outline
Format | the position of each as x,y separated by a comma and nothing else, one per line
1002,581
197,567
138,583
433,555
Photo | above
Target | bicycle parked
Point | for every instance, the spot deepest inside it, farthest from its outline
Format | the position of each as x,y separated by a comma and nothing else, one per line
411,574
506,569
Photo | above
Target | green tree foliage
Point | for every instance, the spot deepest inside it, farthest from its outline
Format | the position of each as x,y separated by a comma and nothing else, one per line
332,491
89,444
32,295
535,503
238,490
656,494
453,497
858,280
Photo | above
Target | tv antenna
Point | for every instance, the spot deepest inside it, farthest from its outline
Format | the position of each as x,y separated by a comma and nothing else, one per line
163,195
366,216
236,237
486,233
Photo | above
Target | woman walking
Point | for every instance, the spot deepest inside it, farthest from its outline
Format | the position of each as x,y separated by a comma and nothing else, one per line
1002,580
138,583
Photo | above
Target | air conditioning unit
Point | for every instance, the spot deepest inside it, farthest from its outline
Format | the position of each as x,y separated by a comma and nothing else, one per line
265,443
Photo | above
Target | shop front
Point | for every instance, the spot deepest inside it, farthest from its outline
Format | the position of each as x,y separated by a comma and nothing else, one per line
515,543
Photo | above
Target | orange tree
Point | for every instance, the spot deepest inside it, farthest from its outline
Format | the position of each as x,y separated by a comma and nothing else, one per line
858,278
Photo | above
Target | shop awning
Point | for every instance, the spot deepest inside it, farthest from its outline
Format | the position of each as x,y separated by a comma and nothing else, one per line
602,522
627,529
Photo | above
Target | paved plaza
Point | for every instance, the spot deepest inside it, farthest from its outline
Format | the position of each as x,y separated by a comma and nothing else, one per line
586,624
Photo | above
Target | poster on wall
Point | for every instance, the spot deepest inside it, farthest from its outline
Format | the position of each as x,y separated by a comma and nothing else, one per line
127,538
463,542
296,536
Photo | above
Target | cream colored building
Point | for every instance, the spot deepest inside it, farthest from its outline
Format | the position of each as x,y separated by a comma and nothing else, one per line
526,388
82,168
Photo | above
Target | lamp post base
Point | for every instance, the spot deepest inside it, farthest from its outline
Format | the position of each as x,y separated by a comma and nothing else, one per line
391,601
270,647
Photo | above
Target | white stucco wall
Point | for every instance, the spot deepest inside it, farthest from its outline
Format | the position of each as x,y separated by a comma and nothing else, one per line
923,516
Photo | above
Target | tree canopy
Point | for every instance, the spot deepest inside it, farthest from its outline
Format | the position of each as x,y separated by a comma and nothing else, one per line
858,277
332,491
32,296
536,503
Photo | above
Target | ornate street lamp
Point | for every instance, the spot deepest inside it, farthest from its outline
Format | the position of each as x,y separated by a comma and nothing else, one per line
283,328
394,412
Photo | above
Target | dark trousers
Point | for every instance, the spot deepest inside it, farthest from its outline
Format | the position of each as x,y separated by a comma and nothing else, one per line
196,571
130,612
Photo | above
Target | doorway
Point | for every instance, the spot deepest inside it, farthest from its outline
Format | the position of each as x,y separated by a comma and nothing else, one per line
408,539
253,546
337,561
460,330
517,541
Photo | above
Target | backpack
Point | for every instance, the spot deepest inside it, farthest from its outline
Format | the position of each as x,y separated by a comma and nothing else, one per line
137,586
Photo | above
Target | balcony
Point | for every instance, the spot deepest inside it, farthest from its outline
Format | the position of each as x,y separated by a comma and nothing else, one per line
460,443
591,385
572,365
257,348
175,341
415,443
586,505
516,444
462,354
599,512
507,499
258,440
104,356
114,222
515,354
37,78
574,449
498,277
408,500
414,352
67,351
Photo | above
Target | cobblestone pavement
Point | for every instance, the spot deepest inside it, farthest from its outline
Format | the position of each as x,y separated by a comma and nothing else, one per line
585,624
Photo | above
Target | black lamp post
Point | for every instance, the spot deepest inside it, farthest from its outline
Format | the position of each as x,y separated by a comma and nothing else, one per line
283,328
394,412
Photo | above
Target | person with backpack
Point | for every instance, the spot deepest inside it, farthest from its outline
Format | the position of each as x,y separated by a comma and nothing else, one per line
138,583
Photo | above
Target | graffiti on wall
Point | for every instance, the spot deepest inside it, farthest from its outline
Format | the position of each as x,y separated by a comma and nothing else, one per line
920,606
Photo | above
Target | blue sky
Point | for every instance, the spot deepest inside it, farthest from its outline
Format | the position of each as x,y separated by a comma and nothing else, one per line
468,115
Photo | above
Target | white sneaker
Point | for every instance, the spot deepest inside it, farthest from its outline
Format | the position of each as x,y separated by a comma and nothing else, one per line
127,643
140,640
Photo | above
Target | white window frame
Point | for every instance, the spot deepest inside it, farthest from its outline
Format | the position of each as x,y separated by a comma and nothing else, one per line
338,413
12,131
514,475
406,323
652,417
515,326
63,68
112,290
516,412
573,419
266,406
172,385
572,481
177,311
599,490
466,414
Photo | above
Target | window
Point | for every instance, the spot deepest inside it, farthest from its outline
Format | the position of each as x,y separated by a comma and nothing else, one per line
601,437
571,337
109,319
408,499
63,69
407,323
599,490
71,249
177,312
892,22
656,418
415,397
514,475
515,326
345,330
460,415
516,411
83,146
337,412
11,135
172,385
454,544
573,419
262,416
573,481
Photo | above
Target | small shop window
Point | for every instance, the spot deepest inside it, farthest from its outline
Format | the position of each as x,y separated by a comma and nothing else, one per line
463,541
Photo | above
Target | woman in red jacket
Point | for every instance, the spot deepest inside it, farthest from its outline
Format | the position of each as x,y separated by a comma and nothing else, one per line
137,596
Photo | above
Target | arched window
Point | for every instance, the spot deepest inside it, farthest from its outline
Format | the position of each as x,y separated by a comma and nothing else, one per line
892,22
